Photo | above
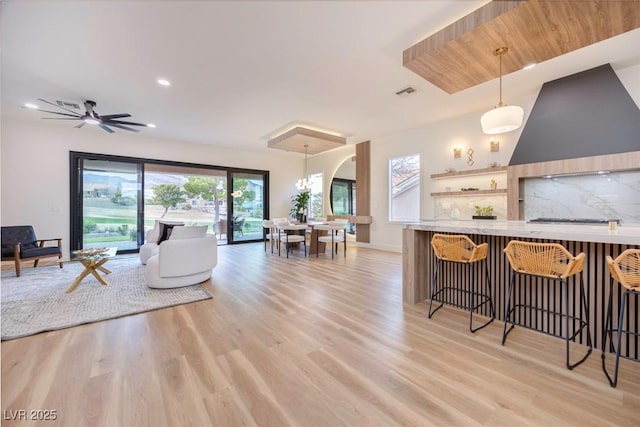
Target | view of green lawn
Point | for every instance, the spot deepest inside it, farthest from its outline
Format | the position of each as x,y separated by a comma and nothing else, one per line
109,222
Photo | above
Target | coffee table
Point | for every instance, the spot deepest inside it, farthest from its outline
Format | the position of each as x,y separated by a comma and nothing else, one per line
93,260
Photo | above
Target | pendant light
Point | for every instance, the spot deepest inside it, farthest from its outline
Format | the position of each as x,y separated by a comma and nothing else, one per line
503,118
303,183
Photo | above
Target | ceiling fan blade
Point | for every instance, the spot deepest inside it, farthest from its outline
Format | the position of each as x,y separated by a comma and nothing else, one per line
120,122
105,128
80,125
122,127
62,114
115,116
61,118
57,106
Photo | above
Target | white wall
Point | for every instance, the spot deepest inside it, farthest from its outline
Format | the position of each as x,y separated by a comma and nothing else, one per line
435,145
35,168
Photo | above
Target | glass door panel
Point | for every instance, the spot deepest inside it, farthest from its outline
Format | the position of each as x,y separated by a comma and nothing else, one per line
193,196
343,199
247,206
111,193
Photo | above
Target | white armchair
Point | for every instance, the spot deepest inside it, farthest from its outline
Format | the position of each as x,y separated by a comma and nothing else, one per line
182,262
150,247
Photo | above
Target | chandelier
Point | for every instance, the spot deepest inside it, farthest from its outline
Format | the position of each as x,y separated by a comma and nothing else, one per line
503,118
303,183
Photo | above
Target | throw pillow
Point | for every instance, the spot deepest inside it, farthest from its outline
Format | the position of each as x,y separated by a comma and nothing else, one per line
165,231
193,232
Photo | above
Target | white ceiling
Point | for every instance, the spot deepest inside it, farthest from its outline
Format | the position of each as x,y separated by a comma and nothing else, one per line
243,70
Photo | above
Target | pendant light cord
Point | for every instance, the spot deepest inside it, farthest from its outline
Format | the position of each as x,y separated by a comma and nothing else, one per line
499,52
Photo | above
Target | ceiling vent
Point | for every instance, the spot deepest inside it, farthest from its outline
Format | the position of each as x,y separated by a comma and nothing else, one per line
406,91
65,104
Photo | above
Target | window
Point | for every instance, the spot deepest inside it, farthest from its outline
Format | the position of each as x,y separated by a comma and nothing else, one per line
404,188
315,199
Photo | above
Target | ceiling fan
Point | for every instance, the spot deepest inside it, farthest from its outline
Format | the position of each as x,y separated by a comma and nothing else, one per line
91,117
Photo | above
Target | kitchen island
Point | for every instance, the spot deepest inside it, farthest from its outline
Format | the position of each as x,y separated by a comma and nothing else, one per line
596,241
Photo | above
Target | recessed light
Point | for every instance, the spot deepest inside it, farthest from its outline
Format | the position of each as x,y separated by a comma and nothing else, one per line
151,125
529,66
31,106
164,82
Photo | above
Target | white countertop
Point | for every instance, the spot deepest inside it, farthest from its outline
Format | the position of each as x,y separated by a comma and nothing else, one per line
628,234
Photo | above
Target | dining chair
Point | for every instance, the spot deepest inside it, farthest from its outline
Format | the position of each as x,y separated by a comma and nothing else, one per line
333,236
289,234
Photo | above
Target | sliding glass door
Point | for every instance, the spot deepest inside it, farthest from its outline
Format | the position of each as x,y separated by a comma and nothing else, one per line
111,201
247,203
115,200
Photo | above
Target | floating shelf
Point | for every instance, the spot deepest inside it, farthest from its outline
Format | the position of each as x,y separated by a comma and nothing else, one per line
471,172
469,193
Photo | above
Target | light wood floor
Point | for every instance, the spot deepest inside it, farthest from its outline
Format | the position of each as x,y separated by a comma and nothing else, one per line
307,342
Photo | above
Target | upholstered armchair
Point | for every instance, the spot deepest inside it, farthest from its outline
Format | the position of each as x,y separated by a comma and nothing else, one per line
153,237
19,243
182,262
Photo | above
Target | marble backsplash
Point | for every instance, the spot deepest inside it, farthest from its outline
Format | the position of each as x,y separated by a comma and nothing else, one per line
463,207
605,196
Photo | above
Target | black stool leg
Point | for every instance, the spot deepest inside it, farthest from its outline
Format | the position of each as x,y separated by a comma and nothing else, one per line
507,310
433,292
623,304
472,305
583,301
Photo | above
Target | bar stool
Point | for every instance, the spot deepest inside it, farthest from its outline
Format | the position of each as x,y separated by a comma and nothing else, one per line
461,249
625,269
550,261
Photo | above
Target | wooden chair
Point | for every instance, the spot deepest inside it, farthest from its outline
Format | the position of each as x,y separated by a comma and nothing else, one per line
19,243
625,270
462,250
554,262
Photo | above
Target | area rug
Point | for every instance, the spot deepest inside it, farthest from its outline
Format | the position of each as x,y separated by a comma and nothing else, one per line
36,301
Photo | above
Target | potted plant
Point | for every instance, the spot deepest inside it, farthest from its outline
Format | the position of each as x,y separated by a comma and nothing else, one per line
299,204
484,212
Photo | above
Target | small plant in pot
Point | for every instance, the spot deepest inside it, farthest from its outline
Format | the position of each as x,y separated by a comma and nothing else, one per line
484,212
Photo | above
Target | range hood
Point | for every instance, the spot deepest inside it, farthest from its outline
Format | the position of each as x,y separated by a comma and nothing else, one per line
586,114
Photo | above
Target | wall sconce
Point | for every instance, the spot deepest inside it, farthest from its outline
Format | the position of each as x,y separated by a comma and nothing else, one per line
495,145
457,153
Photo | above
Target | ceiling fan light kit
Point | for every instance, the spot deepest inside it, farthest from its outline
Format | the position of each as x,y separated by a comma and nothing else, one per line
503,118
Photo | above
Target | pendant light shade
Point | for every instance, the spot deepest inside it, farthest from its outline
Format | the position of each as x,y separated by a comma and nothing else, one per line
503,118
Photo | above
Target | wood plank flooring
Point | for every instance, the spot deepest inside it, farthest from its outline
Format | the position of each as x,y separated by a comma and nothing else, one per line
307,342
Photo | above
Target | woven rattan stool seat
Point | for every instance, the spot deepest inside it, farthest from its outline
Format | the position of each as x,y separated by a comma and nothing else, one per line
552,262
625,270
543,259
461,249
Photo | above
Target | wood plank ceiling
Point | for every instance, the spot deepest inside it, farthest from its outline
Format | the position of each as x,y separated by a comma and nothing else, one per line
461,56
